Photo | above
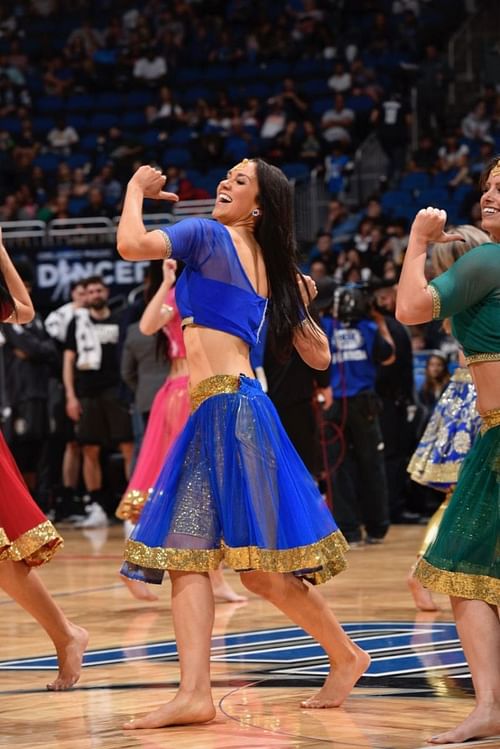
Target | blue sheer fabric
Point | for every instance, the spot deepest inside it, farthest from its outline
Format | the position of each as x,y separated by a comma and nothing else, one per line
233,487
214,289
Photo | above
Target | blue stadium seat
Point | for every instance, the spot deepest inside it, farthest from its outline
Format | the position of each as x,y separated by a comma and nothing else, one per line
415,181
88,142
236,148
104,120
50,104
76,206
176,157
76,160
133,120
47,161
80,103
320,106
42,125
392,200
181,136
435,196
139,99
296,170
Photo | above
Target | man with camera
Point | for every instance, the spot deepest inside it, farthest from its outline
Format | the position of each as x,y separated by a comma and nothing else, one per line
359,342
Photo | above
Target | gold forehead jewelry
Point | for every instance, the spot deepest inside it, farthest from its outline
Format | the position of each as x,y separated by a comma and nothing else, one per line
244,162
495,170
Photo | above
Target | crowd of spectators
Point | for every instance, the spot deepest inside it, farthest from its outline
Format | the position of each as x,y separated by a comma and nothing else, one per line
194,86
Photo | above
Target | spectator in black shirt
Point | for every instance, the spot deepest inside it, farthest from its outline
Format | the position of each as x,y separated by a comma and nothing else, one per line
91,375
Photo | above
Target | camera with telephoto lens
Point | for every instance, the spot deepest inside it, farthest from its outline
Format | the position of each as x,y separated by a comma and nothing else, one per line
352,302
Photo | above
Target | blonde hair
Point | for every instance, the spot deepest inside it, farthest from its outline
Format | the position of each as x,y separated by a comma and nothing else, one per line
445,254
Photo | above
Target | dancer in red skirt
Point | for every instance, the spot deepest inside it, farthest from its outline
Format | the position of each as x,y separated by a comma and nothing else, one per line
27,538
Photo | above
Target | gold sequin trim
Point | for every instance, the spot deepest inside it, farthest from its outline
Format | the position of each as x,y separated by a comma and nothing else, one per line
4,544
490,419
436,302
459,584
478,358
35,547
131,505
186,321
423,472
216,385
462,374
168,243
318,561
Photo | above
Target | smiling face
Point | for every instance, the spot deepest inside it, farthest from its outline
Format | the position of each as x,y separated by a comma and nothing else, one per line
237,195
490,204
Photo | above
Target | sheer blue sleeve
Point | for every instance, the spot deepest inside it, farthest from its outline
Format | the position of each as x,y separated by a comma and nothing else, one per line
474,275
190,240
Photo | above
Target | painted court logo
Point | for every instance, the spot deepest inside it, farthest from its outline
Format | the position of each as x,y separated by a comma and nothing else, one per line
403,654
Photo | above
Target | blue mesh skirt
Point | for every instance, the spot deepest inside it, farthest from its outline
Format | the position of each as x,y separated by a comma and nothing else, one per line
233,488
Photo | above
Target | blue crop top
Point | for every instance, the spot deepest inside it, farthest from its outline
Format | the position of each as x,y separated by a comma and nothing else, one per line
214,290
469,293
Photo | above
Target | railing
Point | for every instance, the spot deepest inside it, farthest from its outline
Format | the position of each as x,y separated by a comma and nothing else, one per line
468,51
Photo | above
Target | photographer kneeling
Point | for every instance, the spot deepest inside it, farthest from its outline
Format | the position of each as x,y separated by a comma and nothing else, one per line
359,341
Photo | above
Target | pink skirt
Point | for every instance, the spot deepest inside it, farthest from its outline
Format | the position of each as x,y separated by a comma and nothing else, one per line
169,413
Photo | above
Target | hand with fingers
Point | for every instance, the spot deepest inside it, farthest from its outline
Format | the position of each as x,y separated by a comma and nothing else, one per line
169,268
308,288
151,182
429,225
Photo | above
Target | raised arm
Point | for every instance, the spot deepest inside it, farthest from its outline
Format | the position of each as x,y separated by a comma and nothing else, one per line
309,339
414,298
158,313
133,241
23,311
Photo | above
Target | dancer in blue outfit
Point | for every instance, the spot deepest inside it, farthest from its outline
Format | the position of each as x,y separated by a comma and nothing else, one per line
233,486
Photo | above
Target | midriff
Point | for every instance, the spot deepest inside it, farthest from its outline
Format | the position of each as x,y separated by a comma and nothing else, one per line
213,352
486,376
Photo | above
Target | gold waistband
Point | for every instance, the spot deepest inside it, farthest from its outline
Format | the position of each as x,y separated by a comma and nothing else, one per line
187,321
490,419
476,358
216,385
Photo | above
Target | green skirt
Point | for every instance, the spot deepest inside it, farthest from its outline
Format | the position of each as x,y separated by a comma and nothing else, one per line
464,559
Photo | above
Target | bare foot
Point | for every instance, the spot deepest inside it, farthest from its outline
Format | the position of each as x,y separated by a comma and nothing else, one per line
139,589
70,657
225,594
482,723
340,681
422,597
184,709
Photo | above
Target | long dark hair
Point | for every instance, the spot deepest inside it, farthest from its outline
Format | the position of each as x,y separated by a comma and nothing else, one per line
274,231
7,303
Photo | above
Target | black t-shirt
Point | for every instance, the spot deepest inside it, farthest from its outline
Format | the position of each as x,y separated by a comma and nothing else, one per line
90,382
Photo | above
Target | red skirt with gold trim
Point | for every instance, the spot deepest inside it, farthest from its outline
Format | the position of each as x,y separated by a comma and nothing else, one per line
25,533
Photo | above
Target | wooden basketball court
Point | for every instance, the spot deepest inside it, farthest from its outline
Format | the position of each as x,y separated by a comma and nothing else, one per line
262,665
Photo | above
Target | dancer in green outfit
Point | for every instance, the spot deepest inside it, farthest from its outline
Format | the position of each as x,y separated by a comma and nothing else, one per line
464,559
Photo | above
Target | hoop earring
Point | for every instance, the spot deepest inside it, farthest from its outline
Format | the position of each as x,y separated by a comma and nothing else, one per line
255,212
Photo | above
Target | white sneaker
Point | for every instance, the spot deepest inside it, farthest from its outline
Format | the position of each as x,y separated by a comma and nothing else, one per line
96,517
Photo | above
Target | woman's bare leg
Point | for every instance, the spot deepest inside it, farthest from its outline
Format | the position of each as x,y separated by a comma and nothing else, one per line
25,586
223,593
422,596
478,625
309,610
193,617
